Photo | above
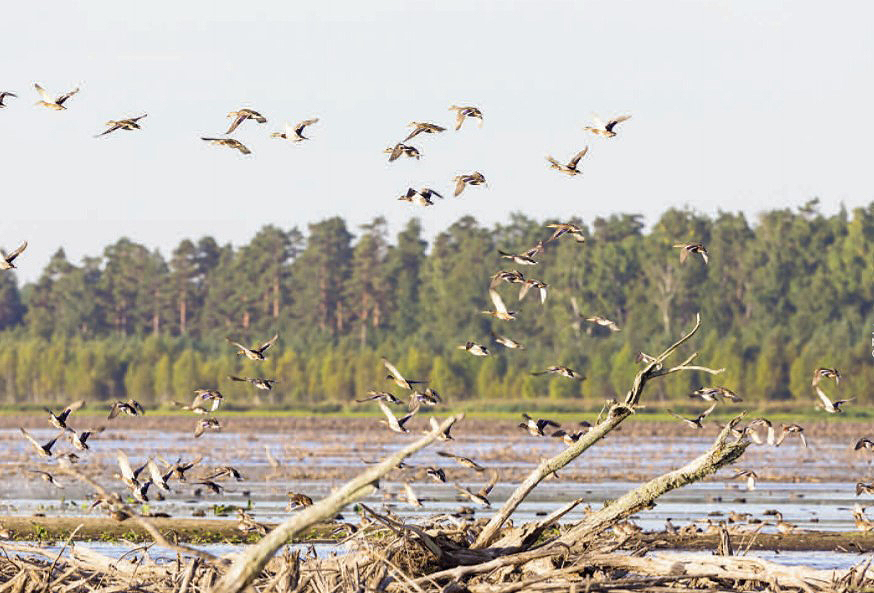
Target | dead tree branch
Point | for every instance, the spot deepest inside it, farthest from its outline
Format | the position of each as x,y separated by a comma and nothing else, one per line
252,560
615,415
720,454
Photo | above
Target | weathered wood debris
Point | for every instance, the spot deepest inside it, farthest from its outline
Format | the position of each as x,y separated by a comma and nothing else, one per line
599,552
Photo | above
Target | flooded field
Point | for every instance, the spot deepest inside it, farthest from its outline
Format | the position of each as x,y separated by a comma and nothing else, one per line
813,487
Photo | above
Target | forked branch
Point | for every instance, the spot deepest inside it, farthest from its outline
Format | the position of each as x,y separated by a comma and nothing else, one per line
616,414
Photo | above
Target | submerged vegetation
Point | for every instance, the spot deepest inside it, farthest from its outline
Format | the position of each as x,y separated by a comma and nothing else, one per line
790,293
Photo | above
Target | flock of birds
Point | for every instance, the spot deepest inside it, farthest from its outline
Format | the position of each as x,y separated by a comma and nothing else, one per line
206,402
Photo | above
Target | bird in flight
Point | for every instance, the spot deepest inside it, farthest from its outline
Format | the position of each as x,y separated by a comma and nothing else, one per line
465,111
254,353
122,124
500,311
7,258
462,181
295,133
399,149
3,95
605,129
230,143
423,128
571,167
689,248
242,115
694,422
56,103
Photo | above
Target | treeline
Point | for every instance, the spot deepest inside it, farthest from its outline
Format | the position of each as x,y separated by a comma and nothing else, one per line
779,298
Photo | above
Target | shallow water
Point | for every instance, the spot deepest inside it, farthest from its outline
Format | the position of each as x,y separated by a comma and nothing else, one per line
813,488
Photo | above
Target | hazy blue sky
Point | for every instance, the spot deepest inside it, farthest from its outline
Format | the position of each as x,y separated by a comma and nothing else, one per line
737,105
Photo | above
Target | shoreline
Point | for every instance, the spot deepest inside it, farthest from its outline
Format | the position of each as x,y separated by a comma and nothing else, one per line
211,531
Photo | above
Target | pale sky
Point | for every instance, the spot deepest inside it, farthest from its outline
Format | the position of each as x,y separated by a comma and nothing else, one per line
736,105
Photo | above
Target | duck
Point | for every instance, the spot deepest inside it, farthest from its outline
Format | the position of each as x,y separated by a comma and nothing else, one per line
399,149
436,474
206,424
832,407
130,407
566,228
59,421
230,143
606,129
603,322
571,167
395,424
826,373
864,443
465,461
398,379
481,496
465,111
242,115
42,450
122,124
561,370
177,470
695,422
421,197
56,103
532,283
749,475
462,181
410,496
474,348
442,435
129,476
298,500
500,311
507,342
428,398
782,526
80,439
214,487
863,488
3,95
258,382
715,394
254,353
752,427
863,524
225,471
536,427
788,429
688,248
568,438
523,259
384,396
6,259
46,476
423,128
295,133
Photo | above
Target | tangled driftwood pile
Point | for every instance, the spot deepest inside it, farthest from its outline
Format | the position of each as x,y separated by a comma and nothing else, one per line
600,552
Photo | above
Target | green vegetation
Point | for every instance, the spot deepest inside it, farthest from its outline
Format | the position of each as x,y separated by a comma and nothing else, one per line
779,298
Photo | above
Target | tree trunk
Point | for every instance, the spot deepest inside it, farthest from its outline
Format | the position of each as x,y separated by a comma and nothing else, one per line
183,313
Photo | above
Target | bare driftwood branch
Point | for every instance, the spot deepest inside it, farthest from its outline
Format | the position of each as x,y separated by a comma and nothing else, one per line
615,415
720,567
252,560
720,454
